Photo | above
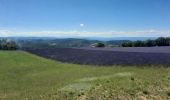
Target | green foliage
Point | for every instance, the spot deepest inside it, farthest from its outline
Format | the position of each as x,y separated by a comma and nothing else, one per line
161,41
150,43
127,44
99,44
8,45
138,44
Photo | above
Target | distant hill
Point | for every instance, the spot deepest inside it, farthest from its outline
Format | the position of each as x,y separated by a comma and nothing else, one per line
122,38
50,42
34,42
54,43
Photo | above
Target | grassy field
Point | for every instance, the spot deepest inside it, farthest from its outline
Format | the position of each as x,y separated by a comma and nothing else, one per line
24,76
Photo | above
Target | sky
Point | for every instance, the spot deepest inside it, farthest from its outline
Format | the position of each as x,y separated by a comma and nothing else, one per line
85,18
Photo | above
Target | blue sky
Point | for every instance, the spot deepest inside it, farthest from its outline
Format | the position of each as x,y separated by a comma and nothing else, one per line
85,18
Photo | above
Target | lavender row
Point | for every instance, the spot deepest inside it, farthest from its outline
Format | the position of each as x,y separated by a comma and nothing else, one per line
102,57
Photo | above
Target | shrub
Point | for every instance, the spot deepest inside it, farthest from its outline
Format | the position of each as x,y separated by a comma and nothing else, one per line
161,41
127,44
98,44
8,45
138,44
150,43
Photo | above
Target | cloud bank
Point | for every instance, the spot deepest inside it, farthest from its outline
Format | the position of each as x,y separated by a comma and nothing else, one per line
109,34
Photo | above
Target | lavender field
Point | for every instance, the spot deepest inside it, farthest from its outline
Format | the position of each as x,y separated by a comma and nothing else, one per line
108,56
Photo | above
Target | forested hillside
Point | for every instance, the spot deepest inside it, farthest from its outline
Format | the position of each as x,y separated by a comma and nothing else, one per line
161,41
39,43
70,42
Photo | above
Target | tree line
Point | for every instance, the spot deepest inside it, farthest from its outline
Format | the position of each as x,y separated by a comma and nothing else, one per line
161,41
6,44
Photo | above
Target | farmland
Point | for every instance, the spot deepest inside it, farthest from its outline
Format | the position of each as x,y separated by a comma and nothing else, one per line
108,56
24,76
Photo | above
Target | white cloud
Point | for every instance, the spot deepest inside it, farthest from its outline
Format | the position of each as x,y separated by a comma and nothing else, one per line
81,25
74,33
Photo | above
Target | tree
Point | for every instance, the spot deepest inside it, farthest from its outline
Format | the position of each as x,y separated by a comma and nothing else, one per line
98,44
8,45
127,44
161,41
12,46
168,40
138,44
150,43
0,44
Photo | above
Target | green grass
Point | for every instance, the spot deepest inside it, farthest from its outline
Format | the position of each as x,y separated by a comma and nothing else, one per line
24,76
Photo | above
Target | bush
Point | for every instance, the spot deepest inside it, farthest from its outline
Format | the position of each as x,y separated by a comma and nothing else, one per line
8,45
138,44
127,44
98,44
150,43
161,41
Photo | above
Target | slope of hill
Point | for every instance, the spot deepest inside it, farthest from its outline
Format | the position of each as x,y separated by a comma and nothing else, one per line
24,76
